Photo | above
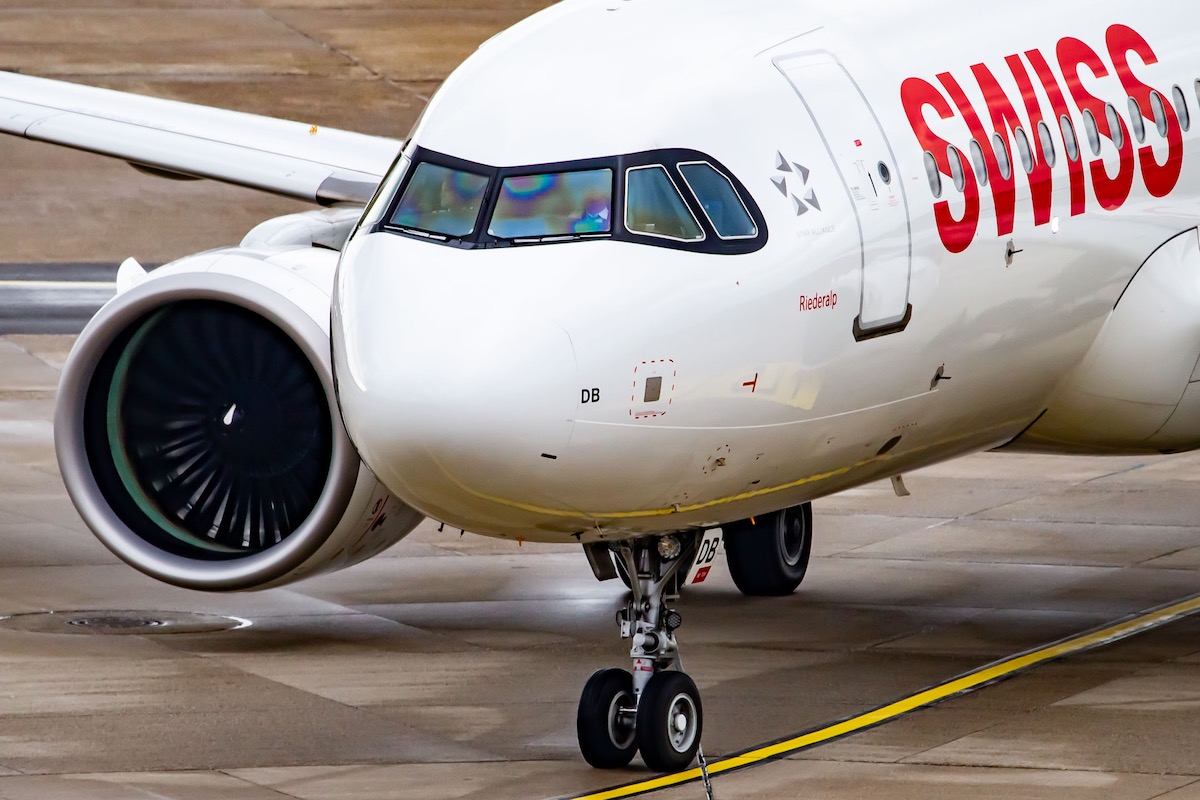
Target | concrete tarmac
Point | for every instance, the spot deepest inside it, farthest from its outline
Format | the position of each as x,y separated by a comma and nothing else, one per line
450,666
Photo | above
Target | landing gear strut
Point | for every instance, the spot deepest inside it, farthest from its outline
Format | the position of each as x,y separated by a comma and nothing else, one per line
655,709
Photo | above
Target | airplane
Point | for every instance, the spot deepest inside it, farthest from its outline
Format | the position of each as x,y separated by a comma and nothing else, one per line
706,262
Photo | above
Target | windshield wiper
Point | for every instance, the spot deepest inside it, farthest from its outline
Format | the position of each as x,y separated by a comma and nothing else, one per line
441,237
555,237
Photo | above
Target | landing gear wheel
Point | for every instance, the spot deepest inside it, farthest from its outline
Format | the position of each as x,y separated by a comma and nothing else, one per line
622,571
606,734
669,721
768,558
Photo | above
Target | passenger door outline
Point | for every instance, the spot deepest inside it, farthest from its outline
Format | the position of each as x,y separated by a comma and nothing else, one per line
856,142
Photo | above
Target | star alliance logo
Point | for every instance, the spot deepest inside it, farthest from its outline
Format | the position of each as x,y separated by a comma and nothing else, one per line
804,198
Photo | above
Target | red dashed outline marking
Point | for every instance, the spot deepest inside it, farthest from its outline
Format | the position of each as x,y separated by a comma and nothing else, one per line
670,393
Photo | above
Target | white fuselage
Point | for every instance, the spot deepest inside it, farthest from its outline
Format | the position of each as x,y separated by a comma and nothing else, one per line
503,390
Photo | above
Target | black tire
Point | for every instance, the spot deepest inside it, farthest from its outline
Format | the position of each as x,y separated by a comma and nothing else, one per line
622,573
669,743
605,739
768,558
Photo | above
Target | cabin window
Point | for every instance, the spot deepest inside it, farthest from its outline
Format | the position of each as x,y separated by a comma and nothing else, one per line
441,201
553,204
1093,131
1025,151
979,162
1047,143
933,174
1136,123
719,201
1003,159
654,206
1116,130
957,172
1181,108
1158,109
1069,138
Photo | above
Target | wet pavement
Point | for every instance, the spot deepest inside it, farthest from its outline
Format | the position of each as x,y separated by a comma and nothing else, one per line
450,666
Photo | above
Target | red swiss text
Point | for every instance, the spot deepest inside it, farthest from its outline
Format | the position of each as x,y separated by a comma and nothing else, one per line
945,99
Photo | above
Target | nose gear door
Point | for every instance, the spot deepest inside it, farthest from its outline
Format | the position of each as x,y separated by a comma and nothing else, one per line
867,167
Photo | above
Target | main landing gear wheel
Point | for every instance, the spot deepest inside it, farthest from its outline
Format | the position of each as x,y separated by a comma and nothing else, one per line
605,722
656,709
669,721
769,556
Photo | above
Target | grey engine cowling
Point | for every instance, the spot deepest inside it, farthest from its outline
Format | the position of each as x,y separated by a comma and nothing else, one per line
197,428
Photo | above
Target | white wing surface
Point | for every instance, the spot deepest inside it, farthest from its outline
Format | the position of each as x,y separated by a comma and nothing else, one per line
292,159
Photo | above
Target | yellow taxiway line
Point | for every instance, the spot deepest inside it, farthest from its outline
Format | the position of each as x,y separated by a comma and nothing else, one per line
991,673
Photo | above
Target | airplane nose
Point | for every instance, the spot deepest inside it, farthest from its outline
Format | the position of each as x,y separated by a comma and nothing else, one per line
455,414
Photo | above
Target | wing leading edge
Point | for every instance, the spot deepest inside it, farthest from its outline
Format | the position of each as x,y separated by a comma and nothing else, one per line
293,159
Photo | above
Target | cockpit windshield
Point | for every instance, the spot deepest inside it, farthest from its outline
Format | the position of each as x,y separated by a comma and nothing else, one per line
441,200
679,199
554,204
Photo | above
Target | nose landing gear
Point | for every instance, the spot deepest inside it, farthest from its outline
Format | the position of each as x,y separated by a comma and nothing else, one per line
655,709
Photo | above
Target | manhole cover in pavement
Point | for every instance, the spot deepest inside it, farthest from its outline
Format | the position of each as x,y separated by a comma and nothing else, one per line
117,623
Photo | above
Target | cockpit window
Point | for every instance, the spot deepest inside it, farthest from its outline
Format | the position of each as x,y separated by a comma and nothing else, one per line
554,204
674,198
441,201
719,201
654,207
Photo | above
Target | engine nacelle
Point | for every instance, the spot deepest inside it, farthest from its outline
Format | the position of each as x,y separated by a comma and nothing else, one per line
1138,388
198,431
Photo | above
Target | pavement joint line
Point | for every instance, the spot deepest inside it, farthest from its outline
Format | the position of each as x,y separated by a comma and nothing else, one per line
1166,792
1133,468
352,59
247,782
995,672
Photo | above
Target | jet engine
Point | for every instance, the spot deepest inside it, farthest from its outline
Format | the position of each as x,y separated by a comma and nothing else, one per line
198,430
1138,388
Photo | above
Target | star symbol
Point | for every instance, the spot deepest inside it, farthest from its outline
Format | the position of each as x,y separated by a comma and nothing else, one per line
804,198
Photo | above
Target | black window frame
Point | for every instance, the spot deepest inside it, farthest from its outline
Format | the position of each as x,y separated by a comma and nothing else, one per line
670,158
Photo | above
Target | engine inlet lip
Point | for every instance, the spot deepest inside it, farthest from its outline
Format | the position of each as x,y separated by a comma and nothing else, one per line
127,309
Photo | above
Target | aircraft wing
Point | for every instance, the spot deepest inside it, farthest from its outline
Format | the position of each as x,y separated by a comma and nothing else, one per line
293,159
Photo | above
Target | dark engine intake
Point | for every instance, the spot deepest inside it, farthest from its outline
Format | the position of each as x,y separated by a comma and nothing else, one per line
198,431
